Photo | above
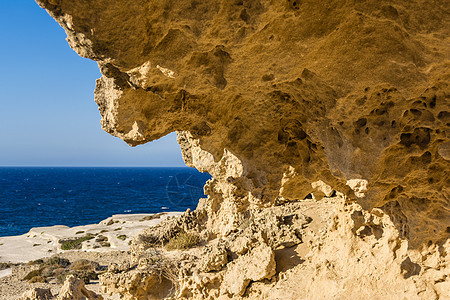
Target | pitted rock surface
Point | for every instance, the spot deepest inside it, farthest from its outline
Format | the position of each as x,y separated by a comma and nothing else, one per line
330,91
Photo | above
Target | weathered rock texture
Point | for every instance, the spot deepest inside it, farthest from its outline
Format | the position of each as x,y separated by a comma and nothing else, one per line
310,249
337,90
37,294
74,289
275,97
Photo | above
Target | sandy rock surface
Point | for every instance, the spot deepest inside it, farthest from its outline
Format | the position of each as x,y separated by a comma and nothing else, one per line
74,289
37,294
341,250
258,264
272,96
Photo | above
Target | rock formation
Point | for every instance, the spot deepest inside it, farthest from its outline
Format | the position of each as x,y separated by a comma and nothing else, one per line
310,249
74,289
281,99
37,294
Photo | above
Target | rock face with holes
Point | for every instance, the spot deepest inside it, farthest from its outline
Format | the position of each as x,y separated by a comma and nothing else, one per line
275,98
332,92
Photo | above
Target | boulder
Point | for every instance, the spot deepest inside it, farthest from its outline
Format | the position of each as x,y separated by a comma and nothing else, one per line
256,265
74,289
37,294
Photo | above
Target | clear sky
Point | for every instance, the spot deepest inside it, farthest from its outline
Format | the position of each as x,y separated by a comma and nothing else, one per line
48,116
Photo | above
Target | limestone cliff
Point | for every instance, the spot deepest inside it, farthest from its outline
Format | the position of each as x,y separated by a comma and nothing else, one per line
277,98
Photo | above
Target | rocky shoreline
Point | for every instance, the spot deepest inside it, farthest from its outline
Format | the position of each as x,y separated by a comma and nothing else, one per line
333,246
113,233
102,243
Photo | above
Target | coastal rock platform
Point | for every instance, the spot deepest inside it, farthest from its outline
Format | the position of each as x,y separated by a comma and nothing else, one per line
112,233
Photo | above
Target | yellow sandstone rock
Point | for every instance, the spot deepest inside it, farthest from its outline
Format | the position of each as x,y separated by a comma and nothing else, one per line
281,101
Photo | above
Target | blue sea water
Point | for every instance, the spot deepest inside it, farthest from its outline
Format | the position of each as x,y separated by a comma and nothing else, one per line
35,197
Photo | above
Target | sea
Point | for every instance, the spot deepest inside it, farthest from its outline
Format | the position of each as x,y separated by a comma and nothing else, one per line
46,196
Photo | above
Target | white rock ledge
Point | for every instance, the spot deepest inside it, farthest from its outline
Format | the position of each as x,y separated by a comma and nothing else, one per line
43,242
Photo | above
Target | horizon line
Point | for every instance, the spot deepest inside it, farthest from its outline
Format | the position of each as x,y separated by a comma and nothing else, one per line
62,166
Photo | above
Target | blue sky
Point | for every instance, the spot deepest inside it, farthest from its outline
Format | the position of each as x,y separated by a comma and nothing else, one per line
48,116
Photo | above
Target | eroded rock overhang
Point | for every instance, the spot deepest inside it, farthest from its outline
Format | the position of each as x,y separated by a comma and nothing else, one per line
272,96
